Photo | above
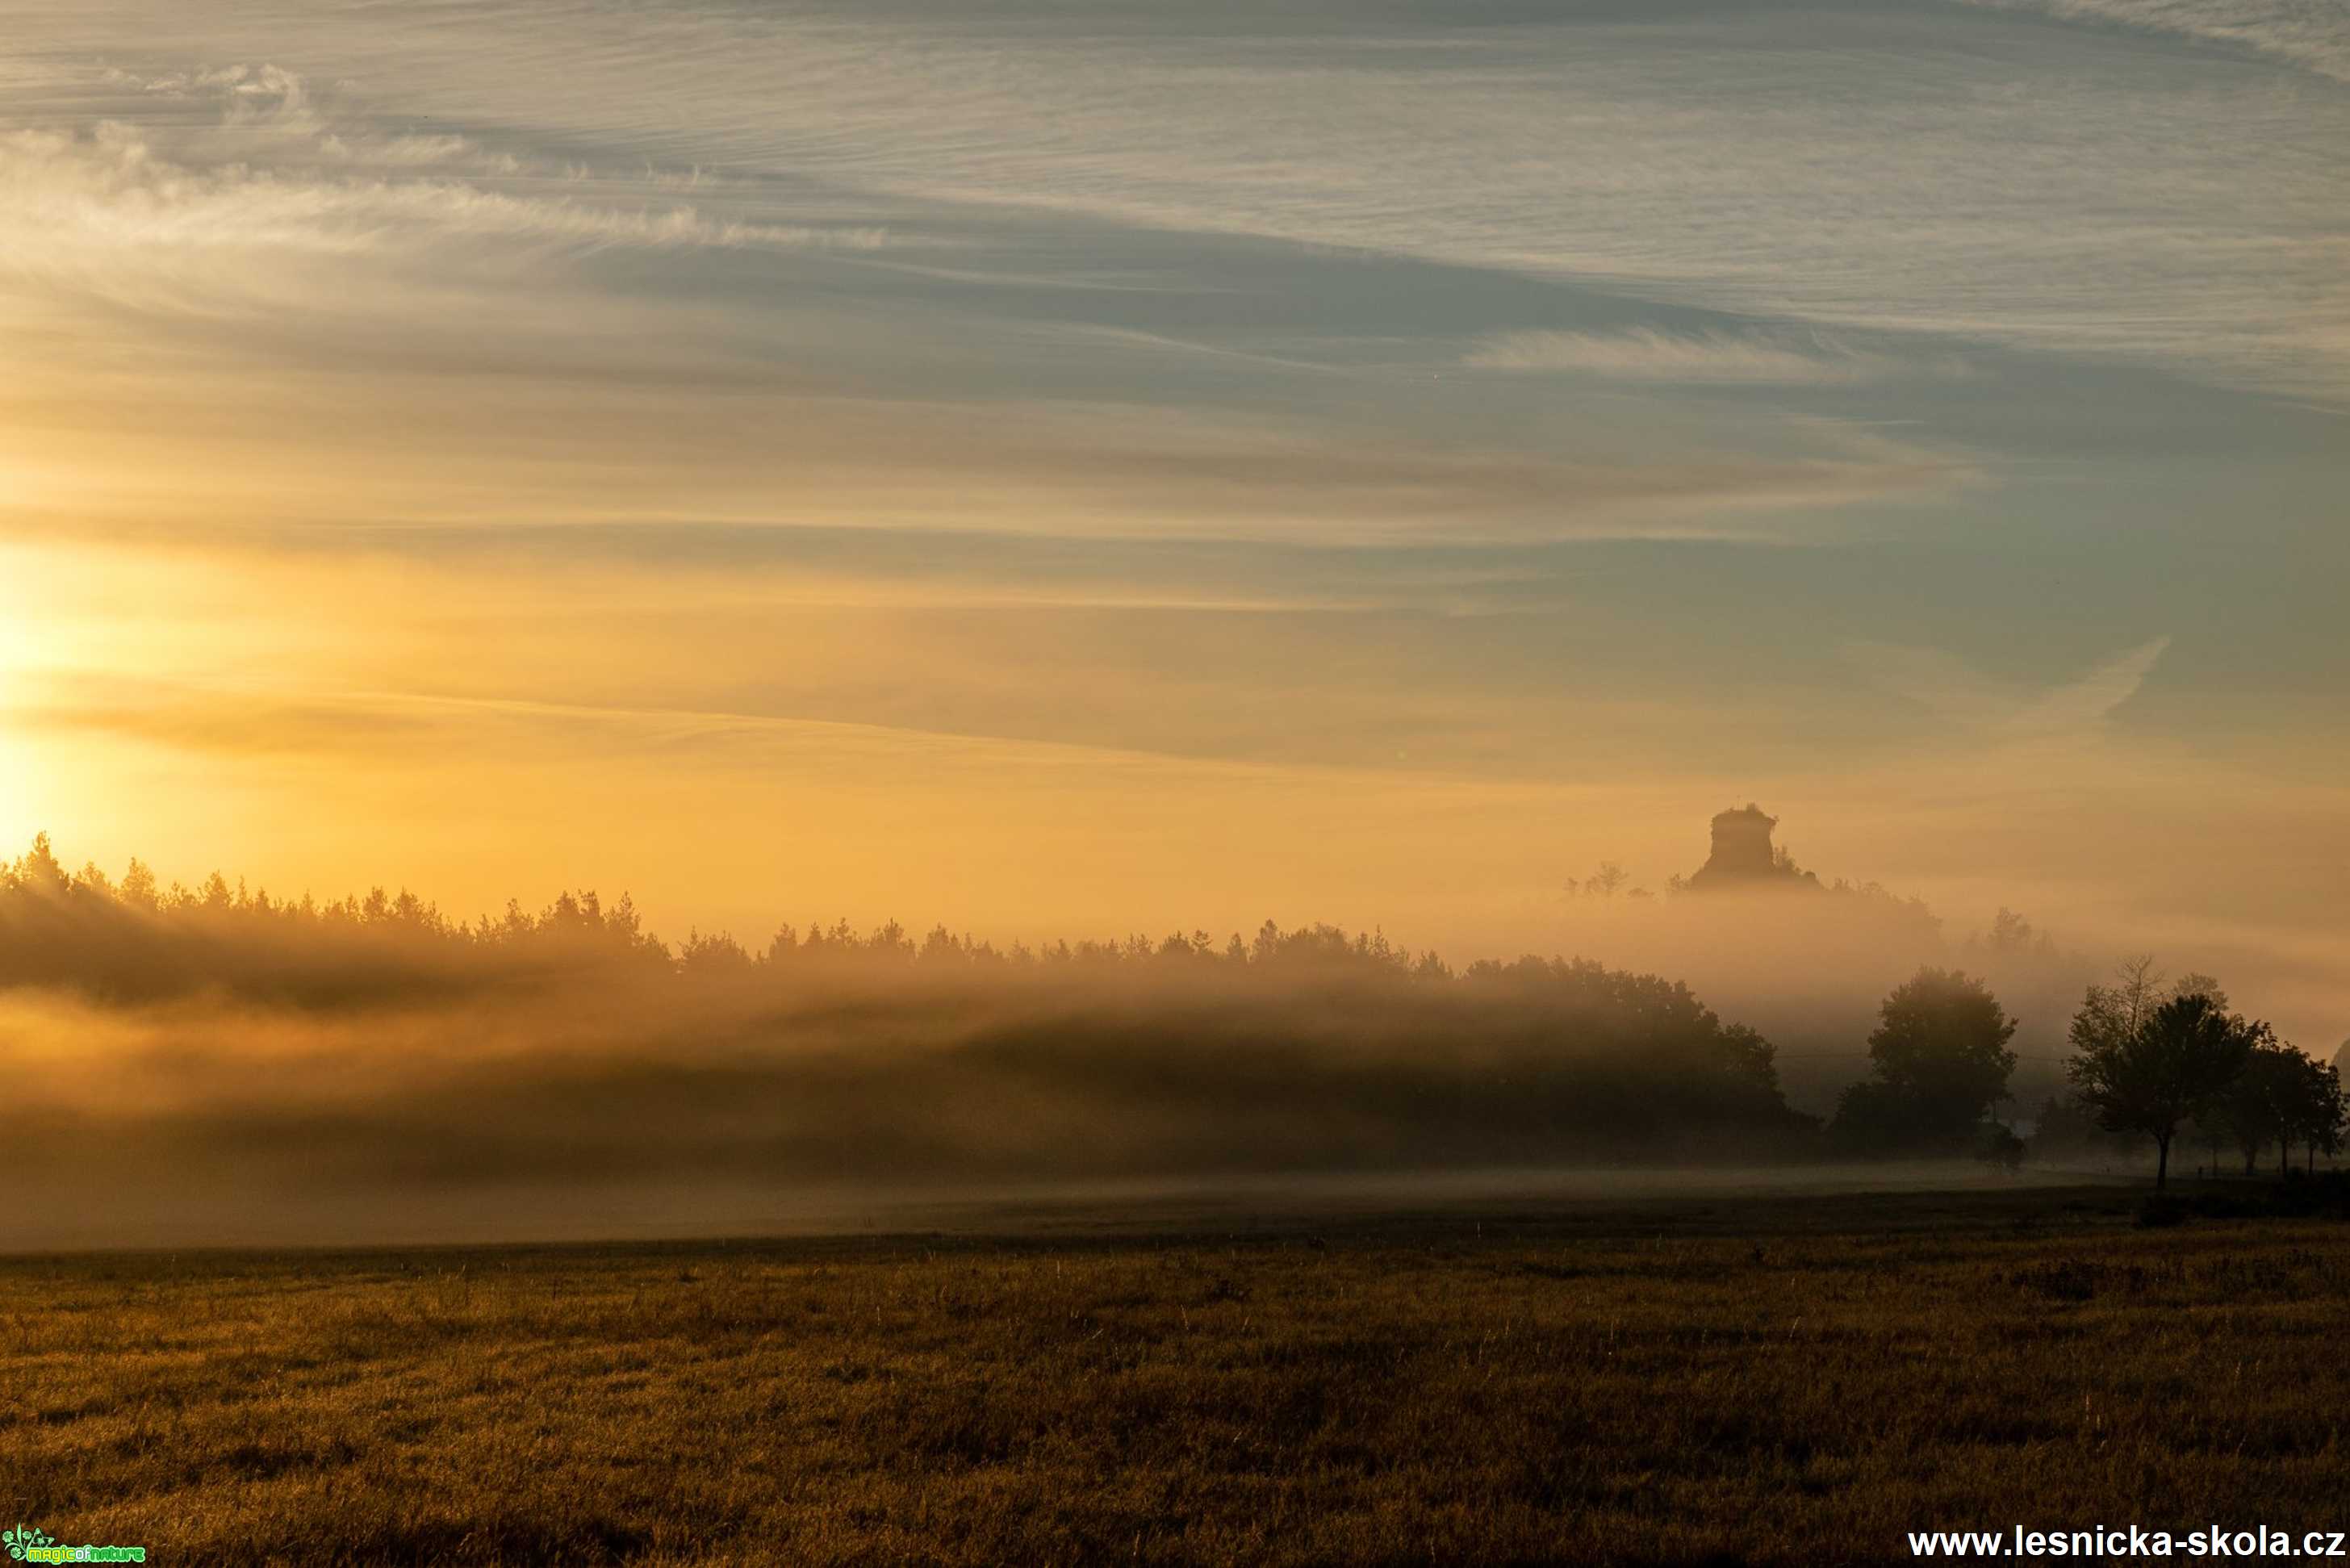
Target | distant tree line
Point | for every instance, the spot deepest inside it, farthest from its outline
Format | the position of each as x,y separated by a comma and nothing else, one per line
1409,1057
136,938
1314,1045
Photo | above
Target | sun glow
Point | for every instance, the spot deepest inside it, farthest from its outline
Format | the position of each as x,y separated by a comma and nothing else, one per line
34,582
17,650
19,645
30,582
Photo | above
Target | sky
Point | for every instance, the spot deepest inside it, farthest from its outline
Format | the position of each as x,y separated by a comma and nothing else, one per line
1075,468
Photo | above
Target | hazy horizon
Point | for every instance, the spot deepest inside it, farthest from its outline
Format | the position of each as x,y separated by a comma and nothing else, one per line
371,1069
1052,468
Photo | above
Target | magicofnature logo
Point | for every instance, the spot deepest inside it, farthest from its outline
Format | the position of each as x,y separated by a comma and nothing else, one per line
27,1544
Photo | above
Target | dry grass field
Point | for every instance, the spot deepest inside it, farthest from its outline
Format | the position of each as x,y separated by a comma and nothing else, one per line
1782,1381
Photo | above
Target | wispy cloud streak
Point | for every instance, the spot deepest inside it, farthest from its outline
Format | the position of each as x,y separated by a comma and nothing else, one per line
268,200
1716,358
1962,695
2314,33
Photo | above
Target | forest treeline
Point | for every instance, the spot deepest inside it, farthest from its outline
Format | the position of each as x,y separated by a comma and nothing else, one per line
831,1052
135,939
572,1039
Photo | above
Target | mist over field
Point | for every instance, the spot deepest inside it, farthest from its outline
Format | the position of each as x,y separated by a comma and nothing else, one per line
211,1065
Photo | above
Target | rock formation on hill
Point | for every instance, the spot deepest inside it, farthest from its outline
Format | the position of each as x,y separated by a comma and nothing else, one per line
1744,857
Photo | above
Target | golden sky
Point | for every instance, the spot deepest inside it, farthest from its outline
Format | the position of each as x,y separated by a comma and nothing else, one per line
1063,472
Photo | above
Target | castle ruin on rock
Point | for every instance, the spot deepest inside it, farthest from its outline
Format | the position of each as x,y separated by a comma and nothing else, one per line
1743,858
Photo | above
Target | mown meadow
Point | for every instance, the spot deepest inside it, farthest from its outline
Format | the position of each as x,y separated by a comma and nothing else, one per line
1764,1381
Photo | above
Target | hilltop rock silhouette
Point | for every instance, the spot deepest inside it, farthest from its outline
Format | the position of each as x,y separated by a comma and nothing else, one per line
1744,859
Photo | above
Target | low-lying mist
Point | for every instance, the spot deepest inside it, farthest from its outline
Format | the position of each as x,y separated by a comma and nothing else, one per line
216,1065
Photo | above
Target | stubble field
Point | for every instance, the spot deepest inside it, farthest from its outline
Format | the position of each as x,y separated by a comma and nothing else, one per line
1797,1381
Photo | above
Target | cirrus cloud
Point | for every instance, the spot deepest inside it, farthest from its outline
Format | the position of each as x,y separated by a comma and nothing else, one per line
188,216
1724,359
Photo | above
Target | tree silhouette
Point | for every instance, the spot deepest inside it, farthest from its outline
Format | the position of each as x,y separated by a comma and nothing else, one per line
1941,1062
2326,1111
2283,1097
2148,1069
2256,1109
